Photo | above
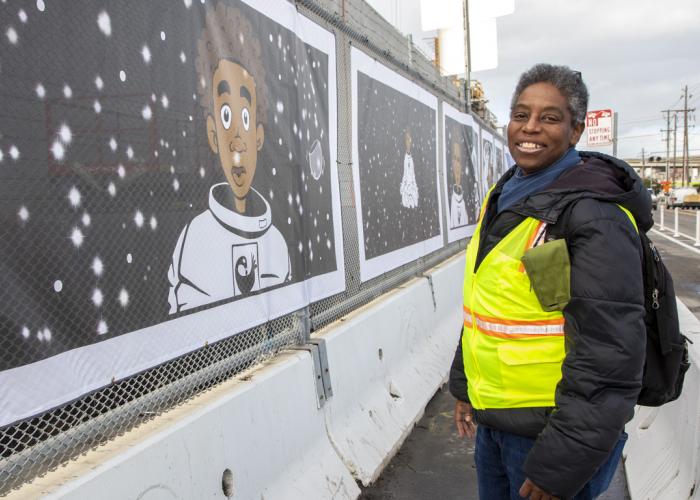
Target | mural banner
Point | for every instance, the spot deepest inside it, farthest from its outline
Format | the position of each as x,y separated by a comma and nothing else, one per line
395,172
487,162
167,179
508,158
500,161
461,186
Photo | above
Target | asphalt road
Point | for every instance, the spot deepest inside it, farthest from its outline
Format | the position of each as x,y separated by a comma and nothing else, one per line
683,261
434,463
687,220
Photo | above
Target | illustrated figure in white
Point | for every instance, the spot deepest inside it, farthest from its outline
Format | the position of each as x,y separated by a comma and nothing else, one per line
409,188
458,209
231,249
474,146
487,158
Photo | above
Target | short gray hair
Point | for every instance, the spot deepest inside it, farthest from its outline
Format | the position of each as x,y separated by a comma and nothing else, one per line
566,80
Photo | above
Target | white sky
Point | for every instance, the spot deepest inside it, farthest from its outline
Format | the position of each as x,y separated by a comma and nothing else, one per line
635,57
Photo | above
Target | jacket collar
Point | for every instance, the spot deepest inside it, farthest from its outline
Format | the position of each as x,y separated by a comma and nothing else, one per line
598,176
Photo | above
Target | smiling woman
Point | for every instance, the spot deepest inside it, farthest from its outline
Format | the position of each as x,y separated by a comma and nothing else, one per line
547,118
552,349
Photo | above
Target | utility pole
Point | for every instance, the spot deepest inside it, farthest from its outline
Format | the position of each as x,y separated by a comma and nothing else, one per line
467,57
686,173
615,134
675,129
643,166
668,139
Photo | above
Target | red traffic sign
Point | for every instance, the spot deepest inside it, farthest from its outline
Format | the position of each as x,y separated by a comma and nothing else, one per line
599,124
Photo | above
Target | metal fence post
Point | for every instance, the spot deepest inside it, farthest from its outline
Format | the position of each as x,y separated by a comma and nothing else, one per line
676,234
697,228
663,212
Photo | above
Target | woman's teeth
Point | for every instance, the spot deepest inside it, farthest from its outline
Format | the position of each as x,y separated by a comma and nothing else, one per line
530,145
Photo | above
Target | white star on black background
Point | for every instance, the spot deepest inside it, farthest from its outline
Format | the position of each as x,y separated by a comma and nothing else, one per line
104,158
384,114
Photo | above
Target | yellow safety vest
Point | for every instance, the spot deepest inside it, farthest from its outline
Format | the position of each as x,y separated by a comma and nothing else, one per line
512,349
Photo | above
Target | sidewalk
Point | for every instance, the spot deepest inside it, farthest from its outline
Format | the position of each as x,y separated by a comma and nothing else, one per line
434,463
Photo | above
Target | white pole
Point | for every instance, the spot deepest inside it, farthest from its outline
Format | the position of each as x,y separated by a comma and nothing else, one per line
697,228
676,234
663,211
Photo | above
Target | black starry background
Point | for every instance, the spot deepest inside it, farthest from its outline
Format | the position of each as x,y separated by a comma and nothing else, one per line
464,135
104,159
383,115
487,157
499,160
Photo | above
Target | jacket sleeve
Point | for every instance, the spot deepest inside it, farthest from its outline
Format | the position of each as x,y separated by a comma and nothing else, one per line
458,379
605,341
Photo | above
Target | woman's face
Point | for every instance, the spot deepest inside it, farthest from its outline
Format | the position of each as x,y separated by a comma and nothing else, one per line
540,128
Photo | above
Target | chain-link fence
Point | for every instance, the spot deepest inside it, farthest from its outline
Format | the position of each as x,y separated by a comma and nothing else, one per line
33,446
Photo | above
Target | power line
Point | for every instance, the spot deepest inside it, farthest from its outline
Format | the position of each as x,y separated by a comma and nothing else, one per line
641,120
662,152
636,136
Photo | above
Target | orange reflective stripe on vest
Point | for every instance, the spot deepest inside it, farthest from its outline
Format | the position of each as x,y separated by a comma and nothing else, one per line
513,329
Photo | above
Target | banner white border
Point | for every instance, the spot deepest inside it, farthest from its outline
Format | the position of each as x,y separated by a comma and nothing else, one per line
28,390
464,119
370,268
485,136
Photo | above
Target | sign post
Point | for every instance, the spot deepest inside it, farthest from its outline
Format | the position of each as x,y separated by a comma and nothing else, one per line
600,127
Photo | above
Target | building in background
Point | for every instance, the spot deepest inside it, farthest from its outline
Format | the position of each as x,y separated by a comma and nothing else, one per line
437,28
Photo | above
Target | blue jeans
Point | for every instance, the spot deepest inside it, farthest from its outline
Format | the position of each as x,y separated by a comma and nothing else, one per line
500,457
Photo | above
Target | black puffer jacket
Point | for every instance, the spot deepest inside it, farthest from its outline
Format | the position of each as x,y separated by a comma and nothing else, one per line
604,326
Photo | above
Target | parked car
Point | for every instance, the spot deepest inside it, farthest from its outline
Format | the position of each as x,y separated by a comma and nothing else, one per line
677,197
654,198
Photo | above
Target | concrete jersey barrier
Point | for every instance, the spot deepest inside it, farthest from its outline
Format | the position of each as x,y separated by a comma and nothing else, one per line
263,435
662,455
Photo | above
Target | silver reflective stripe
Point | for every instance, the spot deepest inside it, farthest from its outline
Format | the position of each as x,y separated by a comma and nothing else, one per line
556,329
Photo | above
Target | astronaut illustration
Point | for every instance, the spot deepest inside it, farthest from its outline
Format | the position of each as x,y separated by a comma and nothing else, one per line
409,188
458,210
473,146
488,163
232,248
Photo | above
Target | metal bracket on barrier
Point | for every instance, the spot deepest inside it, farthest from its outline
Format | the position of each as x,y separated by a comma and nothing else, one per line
317,348
325,371
432,289
304,317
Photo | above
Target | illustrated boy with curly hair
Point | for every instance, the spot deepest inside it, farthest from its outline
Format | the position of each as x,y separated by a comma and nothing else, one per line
231,249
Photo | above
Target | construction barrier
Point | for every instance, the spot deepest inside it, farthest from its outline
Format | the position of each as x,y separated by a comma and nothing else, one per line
278,431
662,455
387,360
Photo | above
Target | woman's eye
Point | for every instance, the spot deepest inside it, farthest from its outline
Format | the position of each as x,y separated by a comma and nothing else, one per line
226,116
519,116
245,116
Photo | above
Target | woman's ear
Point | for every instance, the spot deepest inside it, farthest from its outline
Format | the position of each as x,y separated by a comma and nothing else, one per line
578,131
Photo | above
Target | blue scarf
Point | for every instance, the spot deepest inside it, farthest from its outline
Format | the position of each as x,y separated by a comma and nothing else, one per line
520,185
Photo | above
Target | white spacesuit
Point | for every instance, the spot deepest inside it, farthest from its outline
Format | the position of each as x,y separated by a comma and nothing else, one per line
222,254
458,211
409,188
